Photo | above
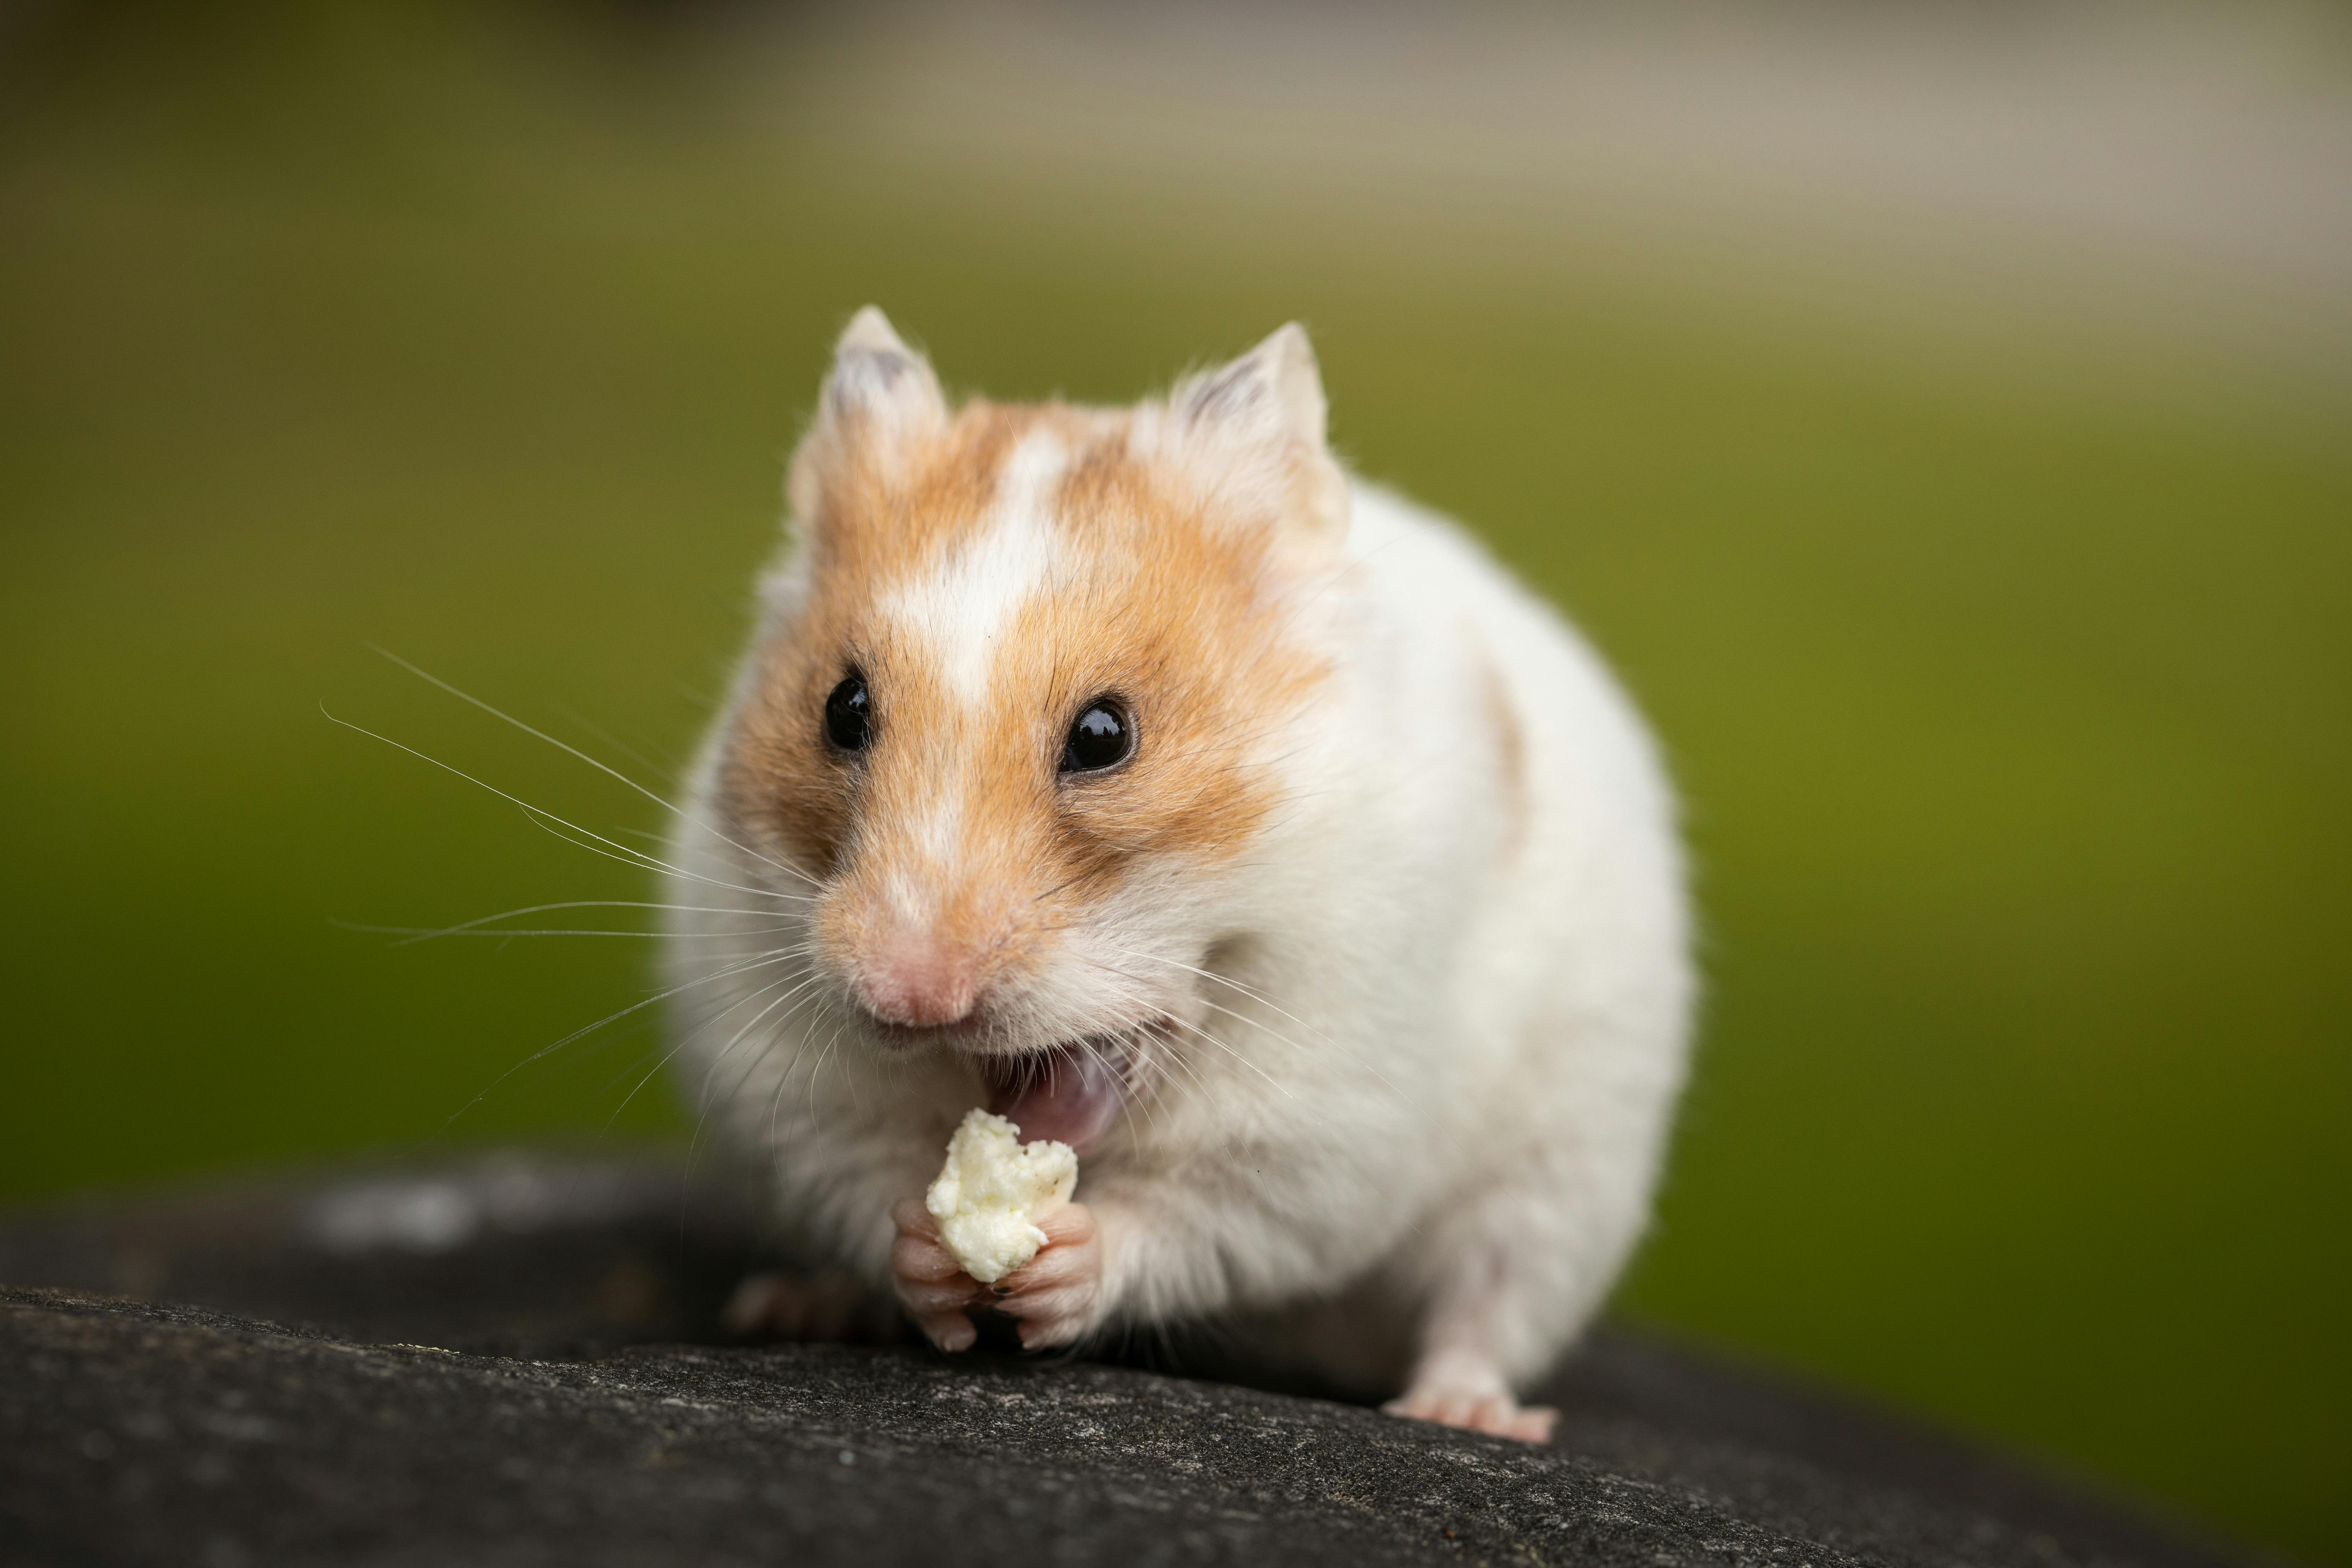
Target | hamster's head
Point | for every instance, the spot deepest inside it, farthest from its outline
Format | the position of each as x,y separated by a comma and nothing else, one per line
1031,682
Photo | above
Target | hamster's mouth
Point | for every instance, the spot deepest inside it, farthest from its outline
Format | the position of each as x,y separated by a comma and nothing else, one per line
1069,1094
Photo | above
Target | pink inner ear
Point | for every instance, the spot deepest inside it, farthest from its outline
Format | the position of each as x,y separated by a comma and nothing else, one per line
1070,1098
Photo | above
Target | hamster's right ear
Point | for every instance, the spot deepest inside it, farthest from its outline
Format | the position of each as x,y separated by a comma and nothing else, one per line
877,379
879,402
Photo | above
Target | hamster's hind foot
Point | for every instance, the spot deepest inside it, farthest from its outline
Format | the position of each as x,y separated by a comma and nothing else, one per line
822,1311
1461,1388
1479,1411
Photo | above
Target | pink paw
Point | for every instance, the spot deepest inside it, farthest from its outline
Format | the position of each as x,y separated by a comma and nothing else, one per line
1052,1298
1055,1295
1477,1409
932,1286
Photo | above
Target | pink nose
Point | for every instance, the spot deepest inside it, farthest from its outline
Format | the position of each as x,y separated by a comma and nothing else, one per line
910,978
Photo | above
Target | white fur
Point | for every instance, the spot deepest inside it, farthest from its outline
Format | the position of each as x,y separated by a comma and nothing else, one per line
1421,1125
960,613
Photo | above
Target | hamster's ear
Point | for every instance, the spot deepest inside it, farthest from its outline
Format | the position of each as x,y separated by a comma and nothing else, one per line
880,400
1274,393
1258,425
876,378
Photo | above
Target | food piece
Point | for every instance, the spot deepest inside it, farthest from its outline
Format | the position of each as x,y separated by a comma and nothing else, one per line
991,1192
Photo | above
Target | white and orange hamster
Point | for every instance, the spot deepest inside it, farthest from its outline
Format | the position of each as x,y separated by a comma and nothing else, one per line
1139,775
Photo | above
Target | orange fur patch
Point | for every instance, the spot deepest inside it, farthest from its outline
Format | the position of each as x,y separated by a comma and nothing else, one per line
1156,597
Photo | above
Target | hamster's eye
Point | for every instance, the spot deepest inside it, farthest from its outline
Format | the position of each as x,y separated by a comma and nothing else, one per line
849,715
1101,738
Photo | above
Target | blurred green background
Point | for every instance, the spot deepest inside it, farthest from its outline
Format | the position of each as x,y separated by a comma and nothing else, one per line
2003,658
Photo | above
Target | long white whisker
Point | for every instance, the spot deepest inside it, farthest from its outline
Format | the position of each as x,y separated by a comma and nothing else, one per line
712,1071
679,812
637,859
421,933
704,1101
814,998
775,1104
1277,1035
666,775
610,1018
633,857
701,1028
425,934
1237,986
1187,1023
687,1038
819,1067
1262,1001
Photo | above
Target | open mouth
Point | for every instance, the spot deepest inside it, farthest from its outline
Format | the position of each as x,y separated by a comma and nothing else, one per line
1068,1094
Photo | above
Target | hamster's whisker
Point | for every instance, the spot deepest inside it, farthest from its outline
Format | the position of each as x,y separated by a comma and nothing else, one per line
542,816
775,1037
711,1072
1139,1063
813,1004
609,772
705,1102
1176,1061
1141,1035
666,775
640,860
1225,980
668,1056
548,1050
1278,1086
416,933
714,1021
814,1068
1170,1063
426,933
784,1079
1279,1036
717,1018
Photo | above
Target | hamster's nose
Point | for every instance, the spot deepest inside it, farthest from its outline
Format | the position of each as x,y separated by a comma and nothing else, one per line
912,978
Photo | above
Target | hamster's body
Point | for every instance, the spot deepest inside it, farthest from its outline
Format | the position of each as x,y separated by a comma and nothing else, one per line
1360,977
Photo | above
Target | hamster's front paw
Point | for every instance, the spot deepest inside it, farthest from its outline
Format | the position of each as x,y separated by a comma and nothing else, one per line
932,1286
1056,1296
1480,1409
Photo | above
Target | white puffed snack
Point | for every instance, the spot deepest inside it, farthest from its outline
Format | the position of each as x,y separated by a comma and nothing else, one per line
991,1192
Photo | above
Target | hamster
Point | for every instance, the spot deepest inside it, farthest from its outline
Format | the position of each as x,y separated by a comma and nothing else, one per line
1139,775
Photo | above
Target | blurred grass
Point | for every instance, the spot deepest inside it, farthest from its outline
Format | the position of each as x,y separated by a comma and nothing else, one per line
2007,683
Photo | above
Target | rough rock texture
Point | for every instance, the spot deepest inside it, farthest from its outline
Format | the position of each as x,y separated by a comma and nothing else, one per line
549,1428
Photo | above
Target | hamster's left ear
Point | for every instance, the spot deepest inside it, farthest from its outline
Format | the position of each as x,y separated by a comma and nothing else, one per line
1275,391
1261,419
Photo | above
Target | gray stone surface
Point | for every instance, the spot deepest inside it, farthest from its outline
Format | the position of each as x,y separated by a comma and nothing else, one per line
468,1366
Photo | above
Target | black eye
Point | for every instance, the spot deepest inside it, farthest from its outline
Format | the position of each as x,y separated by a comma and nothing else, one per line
849,715
1101,738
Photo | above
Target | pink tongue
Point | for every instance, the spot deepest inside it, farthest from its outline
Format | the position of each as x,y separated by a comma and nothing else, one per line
1071,1101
